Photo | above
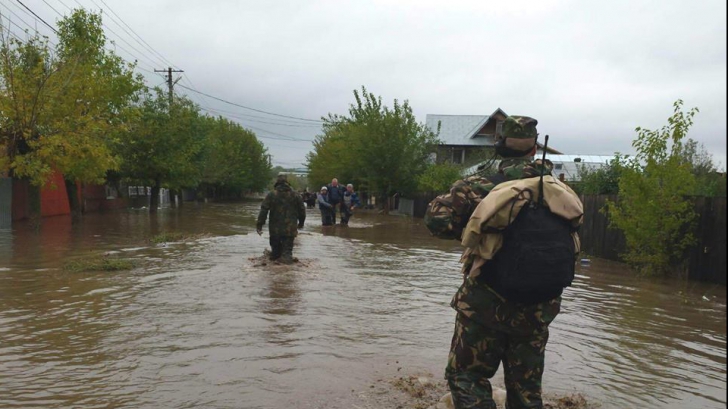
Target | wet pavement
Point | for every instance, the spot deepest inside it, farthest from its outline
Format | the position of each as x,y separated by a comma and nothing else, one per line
198,324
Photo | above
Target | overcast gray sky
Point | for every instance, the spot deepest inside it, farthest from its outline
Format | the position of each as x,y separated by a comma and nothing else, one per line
589,71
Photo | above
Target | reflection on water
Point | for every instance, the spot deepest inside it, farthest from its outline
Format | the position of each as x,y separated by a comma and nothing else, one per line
196,325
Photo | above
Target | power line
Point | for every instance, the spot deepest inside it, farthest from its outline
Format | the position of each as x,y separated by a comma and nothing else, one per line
10,22
122,27
243,106
112,42
149,47
245,118
36,16
53,8
122,39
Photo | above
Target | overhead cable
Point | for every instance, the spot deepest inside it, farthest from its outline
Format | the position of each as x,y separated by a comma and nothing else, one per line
245,107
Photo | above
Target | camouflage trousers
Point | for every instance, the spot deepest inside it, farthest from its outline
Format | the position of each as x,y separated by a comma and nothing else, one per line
281,248
475,354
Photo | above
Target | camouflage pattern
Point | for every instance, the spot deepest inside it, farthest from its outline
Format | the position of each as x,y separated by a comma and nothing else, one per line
286,209
448,214
521,168
490,330
518,135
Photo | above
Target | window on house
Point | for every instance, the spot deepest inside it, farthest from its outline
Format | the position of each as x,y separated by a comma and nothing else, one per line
433,157
499,128
458,156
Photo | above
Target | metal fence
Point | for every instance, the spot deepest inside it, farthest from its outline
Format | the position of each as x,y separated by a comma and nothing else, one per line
6,202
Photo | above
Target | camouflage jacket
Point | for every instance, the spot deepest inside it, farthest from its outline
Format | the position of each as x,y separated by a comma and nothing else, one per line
286,211
480,303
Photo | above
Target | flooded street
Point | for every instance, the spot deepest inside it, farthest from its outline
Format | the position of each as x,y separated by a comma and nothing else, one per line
197,325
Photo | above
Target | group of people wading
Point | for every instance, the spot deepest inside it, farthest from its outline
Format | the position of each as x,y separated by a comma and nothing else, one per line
333,197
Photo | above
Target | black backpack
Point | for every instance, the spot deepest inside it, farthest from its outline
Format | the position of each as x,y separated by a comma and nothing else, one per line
537,259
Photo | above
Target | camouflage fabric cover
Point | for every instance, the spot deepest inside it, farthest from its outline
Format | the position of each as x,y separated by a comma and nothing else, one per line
286,209
447,214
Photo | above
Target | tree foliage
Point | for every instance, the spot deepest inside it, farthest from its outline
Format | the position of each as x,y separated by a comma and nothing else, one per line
380,149
61,108
602,181
79,109
652,208
235,161
163,145
439,177
708,180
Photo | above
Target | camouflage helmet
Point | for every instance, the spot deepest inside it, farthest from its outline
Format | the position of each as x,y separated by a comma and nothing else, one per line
517,138
282,178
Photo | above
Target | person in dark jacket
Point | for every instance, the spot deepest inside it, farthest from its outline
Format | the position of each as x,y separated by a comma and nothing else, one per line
335,196
287,215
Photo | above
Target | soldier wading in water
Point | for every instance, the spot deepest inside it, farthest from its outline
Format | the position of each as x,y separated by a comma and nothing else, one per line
287,214
521,246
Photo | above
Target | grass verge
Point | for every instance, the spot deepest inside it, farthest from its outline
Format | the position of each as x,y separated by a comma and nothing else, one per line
98,263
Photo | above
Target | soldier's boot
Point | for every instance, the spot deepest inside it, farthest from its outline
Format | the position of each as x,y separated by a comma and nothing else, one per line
286,250
467,394
275,248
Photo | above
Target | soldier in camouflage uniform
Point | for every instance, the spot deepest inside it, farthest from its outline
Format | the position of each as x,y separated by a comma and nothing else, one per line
489,329
287,214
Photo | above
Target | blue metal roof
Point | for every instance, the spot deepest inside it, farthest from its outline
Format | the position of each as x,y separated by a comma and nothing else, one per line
459,129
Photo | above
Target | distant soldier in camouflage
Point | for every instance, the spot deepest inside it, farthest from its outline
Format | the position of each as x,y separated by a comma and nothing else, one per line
490,329
287,214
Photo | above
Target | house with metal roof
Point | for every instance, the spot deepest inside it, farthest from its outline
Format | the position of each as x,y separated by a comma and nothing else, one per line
467,138
567,167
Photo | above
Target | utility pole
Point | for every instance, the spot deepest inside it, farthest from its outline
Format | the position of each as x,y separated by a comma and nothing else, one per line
172,193
170,83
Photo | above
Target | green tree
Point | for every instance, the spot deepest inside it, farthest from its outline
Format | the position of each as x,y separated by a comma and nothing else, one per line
100,90
61,111
381,149
235,161
163,146
602,181
332,157
27,71
438,177
652,208
708,181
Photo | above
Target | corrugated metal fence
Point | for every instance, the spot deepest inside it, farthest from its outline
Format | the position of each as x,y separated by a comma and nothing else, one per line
6,202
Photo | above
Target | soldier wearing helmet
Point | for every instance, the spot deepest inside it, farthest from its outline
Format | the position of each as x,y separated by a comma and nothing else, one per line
287,215
493,325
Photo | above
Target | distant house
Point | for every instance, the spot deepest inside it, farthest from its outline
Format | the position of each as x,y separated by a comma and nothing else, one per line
567,167
464,137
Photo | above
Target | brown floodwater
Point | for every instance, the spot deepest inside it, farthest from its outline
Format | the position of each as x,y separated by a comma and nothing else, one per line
198,325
